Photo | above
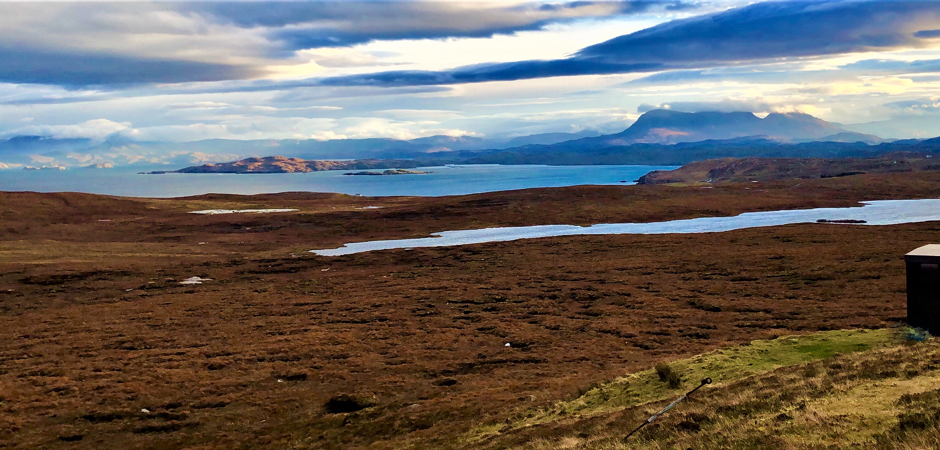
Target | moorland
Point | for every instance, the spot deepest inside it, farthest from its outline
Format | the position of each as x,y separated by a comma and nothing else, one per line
542,343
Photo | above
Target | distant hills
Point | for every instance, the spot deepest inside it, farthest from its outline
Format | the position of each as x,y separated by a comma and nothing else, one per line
660,137
673,127
771,169
641,154
118,150
685,152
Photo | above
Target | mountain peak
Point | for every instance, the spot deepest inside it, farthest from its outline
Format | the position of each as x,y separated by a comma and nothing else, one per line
670,127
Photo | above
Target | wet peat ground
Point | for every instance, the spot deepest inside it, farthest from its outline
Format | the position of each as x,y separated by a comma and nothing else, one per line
101,347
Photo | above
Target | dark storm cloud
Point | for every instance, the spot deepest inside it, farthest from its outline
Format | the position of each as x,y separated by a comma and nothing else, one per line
759,32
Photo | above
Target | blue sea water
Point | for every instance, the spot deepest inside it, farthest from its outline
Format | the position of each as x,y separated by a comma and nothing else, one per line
445,180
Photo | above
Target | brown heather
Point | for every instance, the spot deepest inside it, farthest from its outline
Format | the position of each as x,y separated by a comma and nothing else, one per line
406,349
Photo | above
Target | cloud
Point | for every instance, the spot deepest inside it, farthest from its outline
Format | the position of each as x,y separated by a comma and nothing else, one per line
728,105
511,71
775,30
304,25
42,159
294,91
927,34
78,44
73,69
758,73
126,43
755,33
87,159
370,127
916,106
197,105
759,32
203,158
318,93
894,66
97,129
345,58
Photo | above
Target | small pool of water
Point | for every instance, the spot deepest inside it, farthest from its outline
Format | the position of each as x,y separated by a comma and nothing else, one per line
882,212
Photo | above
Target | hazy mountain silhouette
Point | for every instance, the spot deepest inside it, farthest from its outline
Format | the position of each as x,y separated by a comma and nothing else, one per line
658,136
670,127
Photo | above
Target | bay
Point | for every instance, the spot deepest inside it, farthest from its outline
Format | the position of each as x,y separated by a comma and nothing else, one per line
444,180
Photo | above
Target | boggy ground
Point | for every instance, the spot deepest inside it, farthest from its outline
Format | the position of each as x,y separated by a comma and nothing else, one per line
97,328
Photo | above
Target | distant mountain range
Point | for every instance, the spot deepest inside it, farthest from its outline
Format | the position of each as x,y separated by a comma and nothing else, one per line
672,127
119,150
657,137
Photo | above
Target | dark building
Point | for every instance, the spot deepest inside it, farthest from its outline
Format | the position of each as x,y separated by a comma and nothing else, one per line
923,288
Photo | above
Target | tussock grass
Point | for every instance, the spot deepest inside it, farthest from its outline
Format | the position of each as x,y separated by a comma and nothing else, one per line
666,374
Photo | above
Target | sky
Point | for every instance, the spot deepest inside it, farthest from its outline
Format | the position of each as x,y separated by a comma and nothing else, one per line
186,71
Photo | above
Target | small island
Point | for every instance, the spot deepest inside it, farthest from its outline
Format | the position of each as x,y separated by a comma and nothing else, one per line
389,172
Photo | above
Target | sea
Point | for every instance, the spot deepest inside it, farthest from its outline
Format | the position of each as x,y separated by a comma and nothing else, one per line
443,180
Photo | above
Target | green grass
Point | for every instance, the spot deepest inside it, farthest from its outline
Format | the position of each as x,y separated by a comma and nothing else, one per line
723,366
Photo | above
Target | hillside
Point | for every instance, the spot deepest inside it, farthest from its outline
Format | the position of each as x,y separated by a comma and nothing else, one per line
770,169
871,389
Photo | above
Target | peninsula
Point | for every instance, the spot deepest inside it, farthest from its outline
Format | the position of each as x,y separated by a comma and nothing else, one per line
283,164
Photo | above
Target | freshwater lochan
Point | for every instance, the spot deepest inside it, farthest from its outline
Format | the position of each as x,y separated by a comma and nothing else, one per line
882,212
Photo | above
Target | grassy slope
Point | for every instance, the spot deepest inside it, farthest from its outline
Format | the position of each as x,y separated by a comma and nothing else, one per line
842,388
